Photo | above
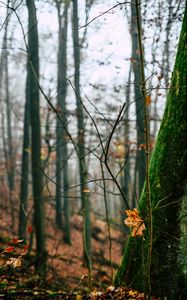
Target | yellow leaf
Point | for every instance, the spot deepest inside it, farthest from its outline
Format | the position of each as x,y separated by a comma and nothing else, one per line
135,222
79,297
120,151
132,293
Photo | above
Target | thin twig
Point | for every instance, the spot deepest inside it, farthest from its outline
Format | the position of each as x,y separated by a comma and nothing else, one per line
107,219
105,150
105,12
107,155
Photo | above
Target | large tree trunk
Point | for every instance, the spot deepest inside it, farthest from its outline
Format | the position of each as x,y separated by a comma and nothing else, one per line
167,175
37,175
182,259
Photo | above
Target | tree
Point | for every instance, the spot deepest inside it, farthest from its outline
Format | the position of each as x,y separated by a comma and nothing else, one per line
81,141
25,166
167,43
37,175
167,174
138,81
7,132
127,176
61,127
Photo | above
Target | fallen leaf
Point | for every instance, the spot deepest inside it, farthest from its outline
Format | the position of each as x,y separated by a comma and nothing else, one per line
25,249
78,297
9,249
132,293
14,262
15,241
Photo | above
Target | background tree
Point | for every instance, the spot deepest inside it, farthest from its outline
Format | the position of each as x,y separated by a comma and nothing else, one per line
7,118
24,183
167,176
127,177
81,141
37,175
62,127
139,100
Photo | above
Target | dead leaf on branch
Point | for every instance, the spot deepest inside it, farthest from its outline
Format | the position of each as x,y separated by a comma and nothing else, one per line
135,222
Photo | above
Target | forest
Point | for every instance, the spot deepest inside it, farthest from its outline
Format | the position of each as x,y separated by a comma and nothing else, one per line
93,149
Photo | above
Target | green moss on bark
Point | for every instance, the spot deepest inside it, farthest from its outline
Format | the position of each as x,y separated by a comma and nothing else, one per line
167,174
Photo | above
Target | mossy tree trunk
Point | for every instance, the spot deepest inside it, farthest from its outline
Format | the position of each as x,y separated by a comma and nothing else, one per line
167,175
182,258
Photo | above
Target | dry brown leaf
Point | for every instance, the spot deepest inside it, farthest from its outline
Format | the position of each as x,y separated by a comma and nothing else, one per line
135,222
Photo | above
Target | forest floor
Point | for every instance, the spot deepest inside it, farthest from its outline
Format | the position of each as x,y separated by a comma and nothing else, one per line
67,277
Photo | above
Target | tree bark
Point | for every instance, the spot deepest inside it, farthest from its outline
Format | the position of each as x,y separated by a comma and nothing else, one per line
8,142
167,176
127,177
37,175
81,142
182,259
61,128
138,82
25,167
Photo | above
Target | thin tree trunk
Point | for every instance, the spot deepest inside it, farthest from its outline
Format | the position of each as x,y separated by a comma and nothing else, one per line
37,175
127,138
8,146
167,44
136,65
81,143
61,128
25,167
